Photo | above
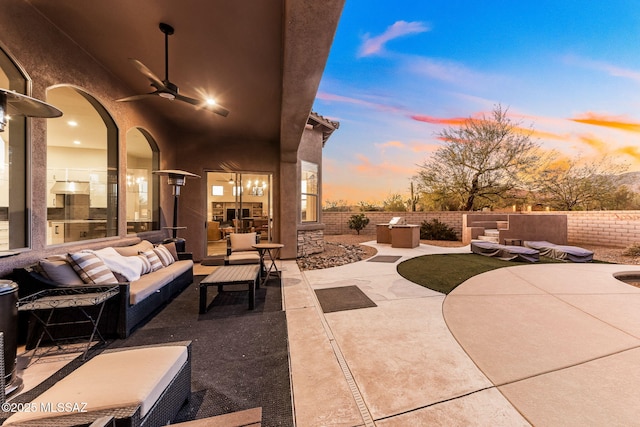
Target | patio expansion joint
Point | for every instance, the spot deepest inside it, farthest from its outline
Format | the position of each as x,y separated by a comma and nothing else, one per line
562,368
430,405
351,382
558,295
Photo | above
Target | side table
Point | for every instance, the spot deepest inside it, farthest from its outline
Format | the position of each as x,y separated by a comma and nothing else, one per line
271,252
43,304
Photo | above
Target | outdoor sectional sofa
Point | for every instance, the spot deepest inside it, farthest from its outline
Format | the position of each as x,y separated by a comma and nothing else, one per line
505,252
137,299
561,252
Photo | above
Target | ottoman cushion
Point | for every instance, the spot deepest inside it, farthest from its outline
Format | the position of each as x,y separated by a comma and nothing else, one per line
116,379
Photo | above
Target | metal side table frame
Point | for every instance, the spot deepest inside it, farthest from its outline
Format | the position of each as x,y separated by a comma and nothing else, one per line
81,298
269,252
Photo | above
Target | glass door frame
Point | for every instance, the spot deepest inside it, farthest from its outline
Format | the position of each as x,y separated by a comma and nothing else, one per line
239,179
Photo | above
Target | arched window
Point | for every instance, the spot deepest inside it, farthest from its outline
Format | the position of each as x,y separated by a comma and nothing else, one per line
142,186
82,169
13,179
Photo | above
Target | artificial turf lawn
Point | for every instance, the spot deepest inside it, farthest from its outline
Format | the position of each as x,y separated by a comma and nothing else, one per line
442,273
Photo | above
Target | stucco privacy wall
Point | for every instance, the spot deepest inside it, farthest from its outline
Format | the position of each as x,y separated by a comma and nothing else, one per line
603,228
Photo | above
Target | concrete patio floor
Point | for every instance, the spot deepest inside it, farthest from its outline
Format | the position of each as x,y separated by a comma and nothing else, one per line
543,345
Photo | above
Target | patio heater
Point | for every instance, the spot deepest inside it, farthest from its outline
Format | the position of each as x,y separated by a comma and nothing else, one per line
16,104
177,179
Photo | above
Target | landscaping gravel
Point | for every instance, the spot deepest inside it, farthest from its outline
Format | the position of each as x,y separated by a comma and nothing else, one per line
347,248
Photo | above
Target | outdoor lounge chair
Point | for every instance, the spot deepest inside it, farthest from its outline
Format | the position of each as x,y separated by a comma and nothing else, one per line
240,250
505,252
561,252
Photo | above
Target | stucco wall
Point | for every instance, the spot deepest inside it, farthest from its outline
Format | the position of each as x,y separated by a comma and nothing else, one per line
602,228
49,58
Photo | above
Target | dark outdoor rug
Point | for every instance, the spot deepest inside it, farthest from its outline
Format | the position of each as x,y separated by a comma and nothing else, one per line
343,298
239,356
384,258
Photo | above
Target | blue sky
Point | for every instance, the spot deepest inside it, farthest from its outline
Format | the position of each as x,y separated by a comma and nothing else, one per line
400,72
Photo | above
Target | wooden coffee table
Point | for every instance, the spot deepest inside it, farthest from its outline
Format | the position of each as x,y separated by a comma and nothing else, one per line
231,275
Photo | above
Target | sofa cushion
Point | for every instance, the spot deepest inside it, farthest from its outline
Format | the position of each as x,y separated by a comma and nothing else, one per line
246,257
91,268
150,283
118,379
156,264
133,250
242,241
165,256
58,269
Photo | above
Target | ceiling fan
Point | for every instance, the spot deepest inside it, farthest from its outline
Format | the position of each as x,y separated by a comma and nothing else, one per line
165,88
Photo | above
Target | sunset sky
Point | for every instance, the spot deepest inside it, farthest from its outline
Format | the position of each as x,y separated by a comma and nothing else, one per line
400,72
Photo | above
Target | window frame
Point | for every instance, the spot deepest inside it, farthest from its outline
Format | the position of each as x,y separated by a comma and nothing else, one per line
309,198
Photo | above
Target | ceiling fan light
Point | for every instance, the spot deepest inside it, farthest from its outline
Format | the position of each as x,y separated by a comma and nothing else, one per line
211,101
167,95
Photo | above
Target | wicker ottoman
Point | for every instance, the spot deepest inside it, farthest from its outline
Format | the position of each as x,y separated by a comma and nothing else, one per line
138,386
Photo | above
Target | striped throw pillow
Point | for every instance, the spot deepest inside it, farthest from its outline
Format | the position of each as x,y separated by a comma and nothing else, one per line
165,256
91,269
156,264
146,265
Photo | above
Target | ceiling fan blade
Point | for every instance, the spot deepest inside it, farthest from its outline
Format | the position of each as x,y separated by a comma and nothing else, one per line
191,101
155,81
218,109
137,97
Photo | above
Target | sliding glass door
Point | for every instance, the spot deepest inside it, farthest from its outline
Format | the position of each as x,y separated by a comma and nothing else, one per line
237,202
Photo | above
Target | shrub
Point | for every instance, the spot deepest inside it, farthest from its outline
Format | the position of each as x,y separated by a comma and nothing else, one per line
358,222
436,230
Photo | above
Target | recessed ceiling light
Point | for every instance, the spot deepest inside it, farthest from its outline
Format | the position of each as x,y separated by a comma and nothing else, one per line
76,142
72,123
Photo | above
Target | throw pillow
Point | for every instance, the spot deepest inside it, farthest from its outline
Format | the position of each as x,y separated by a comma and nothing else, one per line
172,248
91,269
165,256
60,271
134,250
242,241
146,265
156,264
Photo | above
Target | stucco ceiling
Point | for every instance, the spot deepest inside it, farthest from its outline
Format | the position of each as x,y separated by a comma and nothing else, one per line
248,55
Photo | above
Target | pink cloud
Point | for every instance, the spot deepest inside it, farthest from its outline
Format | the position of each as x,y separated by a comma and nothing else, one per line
391,144
375,45
614,122
454,121
366,167
325,96
611,69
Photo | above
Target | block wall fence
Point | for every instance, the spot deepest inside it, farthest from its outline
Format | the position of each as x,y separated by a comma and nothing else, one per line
599,228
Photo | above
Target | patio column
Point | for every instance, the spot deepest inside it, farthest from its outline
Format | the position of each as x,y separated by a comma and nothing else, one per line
289,205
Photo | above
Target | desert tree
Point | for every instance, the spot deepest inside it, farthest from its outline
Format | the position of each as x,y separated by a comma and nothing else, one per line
480,161
394,203
576,184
